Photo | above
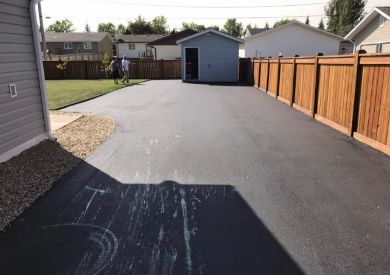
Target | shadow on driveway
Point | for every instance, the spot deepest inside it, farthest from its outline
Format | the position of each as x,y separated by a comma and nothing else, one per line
89,223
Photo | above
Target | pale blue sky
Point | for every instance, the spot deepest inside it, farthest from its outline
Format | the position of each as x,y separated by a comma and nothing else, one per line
216,12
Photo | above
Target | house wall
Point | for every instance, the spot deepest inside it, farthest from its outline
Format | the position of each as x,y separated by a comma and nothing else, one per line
373,34
123,49
21,117
291,40
77,47
168,52
218,57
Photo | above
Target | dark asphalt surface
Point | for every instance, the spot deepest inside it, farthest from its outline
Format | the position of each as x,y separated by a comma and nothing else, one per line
206,179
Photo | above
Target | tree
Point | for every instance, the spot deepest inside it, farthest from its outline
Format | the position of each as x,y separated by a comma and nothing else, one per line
321,25
121,29
106,27
87,28
282,22
266,26
307,21
139,26
61,26
343,15
193,26
159,25
214,27
233,28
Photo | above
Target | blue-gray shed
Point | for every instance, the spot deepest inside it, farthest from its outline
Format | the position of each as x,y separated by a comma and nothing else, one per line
24,119
210,56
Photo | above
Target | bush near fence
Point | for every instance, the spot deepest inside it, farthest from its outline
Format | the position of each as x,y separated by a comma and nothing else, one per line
139,69
348,93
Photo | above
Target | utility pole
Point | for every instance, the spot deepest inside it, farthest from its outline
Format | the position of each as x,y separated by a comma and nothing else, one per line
42,31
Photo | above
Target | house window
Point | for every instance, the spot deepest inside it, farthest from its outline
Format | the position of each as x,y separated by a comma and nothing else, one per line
87,45
379,48
131,46
381,21
68,45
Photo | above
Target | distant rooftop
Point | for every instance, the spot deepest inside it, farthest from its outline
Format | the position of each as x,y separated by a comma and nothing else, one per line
137,38
75,36
253,31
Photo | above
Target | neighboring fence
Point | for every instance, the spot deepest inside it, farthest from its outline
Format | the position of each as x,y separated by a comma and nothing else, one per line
140,69
348,93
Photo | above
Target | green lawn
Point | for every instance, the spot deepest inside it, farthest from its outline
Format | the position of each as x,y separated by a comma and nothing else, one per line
62,93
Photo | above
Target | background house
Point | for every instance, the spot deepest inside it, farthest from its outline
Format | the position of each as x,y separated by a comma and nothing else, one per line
291,39
71,43
210,56
24,118
135,45
253,31
166,47
373,32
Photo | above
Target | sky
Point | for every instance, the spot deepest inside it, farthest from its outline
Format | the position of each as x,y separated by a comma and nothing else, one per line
206,12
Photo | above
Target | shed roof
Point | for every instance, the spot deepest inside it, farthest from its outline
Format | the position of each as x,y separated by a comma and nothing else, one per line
294,22
384,11
75,36
172,38
137,38
208,31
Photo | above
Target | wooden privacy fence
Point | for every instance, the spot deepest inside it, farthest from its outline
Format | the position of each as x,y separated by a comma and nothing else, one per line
140,69
348,93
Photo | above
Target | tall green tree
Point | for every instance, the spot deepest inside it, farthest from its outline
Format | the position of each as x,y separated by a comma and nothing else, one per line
233,28
321,25
87,28
307,21
266,26
106,27
139,26
121,29
193,26
343,15
159,25
282,22
61,26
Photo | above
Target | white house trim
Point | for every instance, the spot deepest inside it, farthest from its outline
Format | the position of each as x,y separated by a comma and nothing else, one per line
41,72
207,31
292,23
365,21
185,61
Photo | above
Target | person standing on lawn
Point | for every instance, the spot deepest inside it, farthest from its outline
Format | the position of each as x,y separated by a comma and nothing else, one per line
125,68
115,69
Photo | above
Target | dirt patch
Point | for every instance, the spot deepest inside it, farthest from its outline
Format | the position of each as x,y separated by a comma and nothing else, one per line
26,177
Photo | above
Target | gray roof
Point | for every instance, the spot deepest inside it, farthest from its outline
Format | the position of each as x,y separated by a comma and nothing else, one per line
75,36
385,10
137,38
253,31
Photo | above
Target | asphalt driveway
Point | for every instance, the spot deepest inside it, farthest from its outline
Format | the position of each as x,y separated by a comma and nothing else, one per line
207,179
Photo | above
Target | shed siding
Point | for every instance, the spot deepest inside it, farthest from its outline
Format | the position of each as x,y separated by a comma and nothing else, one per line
218,57
373,34
21,117
292,40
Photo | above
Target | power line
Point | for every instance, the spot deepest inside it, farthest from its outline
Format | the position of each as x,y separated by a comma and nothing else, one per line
207,7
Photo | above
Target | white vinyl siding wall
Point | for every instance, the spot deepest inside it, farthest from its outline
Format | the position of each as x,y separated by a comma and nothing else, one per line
292,40
21,117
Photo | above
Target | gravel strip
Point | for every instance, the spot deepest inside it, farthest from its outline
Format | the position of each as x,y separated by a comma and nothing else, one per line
28,176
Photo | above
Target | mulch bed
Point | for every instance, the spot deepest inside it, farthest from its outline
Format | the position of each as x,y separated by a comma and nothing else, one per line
29,175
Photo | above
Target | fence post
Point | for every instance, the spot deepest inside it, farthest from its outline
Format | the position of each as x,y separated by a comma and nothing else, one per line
278,78
266,85
259,76
315,90
355,95
162,69
293,83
